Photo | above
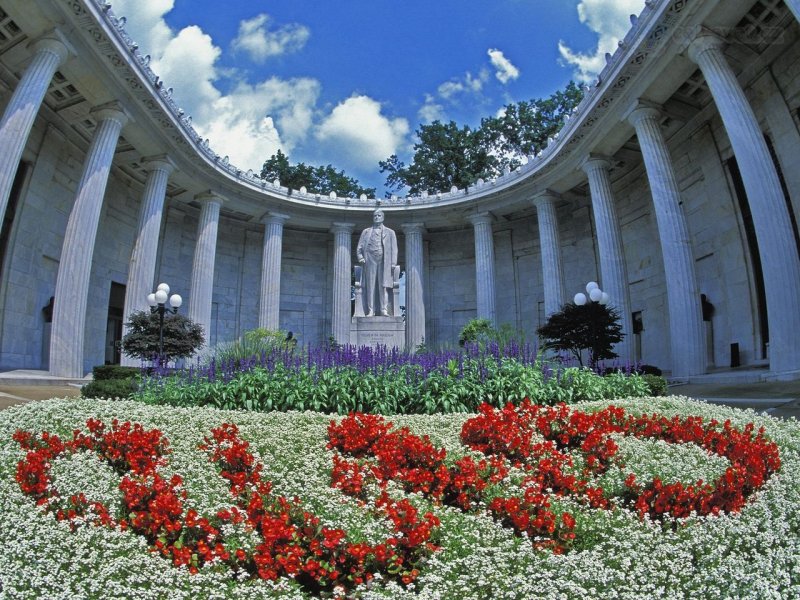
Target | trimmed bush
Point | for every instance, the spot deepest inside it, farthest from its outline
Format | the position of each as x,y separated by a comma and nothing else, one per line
104,372
111,388
656,383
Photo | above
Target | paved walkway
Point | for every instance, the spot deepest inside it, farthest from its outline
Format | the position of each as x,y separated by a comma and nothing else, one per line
20,394
777,398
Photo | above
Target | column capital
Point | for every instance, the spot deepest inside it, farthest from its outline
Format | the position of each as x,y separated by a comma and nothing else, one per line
209,197
53,41
342,227
273,218
484,218
410,228
704,40
111,111
159,162
546,197
596,162
643,109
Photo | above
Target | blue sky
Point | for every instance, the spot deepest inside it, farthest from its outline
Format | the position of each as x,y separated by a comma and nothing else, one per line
348,82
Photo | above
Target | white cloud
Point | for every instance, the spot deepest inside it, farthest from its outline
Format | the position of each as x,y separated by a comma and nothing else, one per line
610,19
469,84
188,65
252,122
249,123
431,110
259,42
504,70
145,22
360,133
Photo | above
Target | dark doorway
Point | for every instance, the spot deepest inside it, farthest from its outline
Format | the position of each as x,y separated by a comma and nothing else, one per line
11,210
116,307
762,324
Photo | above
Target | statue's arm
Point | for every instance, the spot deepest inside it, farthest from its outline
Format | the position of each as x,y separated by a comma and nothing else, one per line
360,249
394,249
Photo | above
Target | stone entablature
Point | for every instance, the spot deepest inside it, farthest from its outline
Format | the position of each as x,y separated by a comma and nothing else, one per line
650,31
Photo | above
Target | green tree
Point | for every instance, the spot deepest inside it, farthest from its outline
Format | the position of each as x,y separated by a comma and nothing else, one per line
523,128
182,336
445,155
593,326
316,180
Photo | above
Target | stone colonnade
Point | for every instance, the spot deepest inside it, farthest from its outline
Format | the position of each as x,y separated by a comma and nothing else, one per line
770,216
142,269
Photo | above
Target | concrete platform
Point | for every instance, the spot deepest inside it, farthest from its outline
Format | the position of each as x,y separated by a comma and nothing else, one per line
37,377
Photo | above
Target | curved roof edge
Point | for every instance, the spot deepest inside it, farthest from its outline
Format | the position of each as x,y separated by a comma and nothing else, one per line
649,32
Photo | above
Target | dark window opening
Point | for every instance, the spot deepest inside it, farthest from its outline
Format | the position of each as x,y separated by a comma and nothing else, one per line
785,189
11,211
755,257
116,307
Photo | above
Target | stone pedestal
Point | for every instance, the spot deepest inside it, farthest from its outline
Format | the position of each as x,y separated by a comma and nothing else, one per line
378,331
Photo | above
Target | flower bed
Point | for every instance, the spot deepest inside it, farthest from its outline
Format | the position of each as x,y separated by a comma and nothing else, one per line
380,381
523,502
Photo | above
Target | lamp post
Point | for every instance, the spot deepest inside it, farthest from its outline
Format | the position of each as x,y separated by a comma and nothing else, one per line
158,304
595,294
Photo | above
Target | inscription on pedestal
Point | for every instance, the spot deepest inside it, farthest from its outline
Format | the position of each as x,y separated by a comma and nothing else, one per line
378,331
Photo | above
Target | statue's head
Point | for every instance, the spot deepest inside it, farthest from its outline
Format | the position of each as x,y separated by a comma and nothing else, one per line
377,216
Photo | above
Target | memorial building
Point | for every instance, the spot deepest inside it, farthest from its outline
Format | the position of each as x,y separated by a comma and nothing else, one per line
675,185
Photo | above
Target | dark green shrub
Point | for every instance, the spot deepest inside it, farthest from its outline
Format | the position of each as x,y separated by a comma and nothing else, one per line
656,383
475,331
594,327
182,336
111,388
104,372
648,370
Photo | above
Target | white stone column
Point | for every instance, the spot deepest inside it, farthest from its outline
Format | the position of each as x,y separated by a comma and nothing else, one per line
550,247
785,137
484,266
205,252
687,332
415,299
613,272
342,281
15,127
142,267
776,244
75,266
270,306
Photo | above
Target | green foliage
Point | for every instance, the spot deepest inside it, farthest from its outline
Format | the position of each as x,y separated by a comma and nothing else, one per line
447,155
316,180
101,372
593,326
254,343
182,336
522,129
112,381
123,388
341,390
476,331
656,383
481,332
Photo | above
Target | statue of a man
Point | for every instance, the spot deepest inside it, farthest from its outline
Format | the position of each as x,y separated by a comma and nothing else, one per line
377,251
